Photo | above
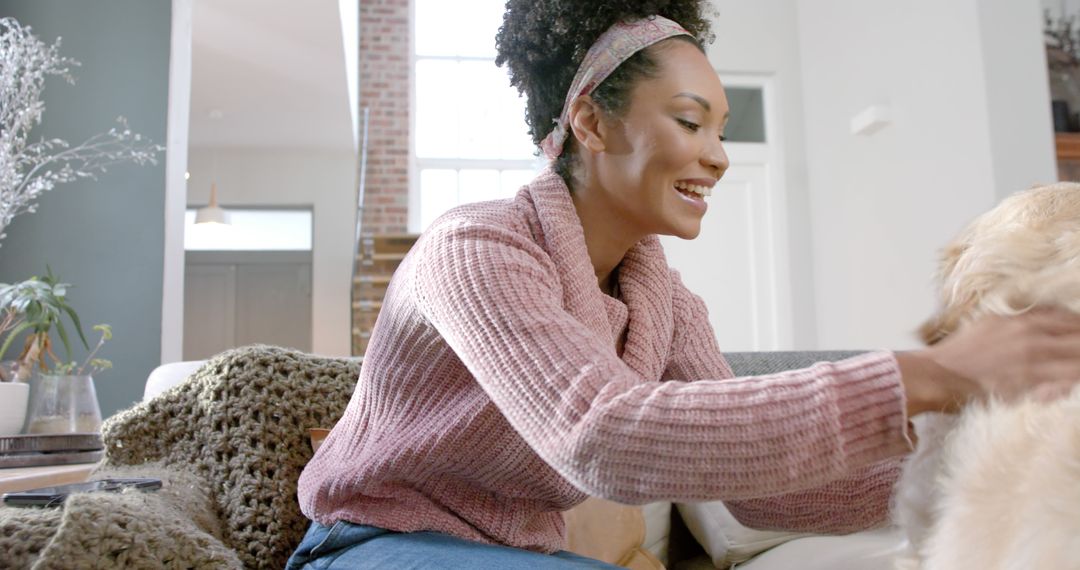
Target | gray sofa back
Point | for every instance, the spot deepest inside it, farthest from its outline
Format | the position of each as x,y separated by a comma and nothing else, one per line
765,362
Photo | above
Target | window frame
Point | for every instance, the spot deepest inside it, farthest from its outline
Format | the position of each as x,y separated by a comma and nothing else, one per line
298,208
418,164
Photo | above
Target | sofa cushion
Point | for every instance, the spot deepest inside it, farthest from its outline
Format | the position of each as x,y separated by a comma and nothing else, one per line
657,528
724,539
168,375
868,550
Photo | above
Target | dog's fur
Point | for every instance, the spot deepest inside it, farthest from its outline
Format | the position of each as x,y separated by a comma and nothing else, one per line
998,485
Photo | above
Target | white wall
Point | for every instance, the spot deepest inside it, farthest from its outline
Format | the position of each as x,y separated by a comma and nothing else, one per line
324,180
883,205
1057,7
1018,91
761,38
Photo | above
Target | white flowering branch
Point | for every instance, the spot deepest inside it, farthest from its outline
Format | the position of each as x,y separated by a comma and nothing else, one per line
29,169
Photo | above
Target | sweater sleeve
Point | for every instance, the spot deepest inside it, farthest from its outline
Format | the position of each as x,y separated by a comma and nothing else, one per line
495,298
855,501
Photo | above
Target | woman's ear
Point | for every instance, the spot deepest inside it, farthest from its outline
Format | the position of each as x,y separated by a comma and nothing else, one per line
586,120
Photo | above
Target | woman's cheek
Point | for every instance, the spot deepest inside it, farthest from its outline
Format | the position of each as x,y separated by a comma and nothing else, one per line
676,148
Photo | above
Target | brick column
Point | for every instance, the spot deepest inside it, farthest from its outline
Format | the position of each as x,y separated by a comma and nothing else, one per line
384,88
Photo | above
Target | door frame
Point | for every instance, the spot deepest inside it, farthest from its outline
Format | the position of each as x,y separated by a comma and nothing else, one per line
176,164
770,154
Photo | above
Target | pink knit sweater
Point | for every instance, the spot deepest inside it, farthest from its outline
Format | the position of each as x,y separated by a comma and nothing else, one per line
492,397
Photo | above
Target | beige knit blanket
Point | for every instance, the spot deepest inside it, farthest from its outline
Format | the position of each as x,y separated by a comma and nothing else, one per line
228,444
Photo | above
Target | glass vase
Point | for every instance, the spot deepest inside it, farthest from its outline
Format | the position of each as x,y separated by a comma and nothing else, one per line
63,404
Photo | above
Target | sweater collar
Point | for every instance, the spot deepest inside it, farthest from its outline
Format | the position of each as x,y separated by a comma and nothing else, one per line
644,279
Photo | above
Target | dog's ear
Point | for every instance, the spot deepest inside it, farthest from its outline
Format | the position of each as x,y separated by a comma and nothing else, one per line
957,310
935,329
947,319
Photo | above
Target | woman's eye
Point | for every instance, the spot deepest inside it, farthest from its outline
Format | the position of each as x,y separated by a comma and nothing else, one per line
690,126
723,138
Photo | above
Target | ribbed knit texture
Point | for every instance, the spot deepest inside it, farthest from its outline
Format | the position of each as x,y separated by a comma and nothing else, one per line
492,397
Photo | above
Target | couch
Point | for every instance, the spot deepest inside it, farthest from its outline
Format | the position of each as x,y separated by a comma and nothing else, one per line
230,436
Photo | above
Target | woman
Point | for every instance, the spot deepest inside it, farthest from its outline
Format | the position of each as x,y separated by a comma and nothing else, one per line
534,351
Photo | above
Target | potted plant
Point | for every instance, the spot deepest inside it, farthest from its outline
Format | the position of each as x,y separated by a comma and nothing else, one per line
38,305
13,395
62,398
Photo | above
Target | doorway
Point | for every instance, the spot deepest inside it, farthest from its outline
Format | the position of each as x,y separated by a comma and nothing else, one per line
248,281
237,298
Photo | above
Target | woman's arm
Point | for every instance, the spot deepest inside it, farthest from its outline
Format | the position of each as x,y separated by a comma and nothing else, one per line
495,297
1003,356
854,501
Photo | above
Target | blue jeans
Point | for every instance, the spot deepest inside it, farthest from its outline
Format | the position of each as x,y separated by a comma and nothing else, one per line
348,546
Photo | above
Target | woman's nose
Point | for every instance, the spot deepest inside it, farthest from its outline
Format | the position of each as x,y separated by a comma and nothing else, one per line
715,157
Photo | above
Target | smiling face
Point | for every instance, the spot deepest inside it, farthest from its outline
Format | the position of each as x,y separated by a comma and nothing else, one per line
661,158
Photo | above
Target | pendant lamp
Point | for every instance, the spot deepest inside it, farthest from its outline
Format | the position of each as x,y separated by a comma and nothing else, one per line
212,213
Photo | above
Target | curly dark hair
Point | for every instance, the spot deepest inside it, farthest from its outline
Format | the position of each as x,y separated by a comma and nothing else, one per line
542,42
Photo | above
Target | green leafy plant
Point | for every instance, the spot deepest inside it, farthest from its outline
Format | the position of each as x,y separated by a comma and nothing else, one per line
38,305
91,363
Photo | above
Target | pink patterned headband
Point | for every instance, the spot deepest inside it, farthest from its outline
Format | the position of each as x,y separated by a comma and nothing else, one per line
614,46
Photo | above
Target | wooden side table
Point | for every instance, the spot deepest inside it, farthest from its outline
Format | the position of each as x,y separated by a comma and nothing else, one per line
24,478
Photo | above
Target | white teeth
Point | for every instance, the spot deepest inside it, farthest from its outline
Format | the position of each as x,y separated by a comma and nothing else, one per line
696,189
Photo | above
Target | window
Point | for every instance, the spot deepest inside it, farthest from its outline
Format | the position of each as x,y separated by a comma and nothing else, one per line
471,142
251,230
747,123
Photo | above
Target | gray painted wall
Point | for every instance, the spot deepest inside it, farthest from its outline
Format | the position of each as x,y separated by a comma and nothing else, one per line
105,237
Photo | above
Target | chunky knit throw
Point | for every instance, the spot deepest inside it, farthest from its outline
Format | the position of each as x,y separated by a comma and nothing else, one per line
493,396
229,445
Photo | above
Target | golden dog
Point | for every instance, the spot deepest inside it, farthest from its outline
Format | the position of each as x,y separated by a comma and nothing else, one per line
998,485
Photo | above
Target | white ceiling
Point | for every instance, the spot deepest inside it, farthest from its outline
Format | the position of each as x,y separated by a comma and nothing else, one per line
274,73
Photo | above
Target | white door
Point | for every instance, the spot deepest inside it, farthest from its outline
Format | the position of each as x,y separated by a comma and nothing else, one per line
738,263
209,309
273,304
237,298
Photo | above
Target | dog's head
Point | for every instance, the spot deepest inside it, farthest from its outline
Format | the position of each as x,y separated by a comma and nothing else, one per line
1022,254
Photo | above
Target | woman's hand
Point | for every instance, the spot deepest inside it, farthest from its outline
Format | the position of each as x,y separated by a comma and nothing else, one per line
1005,357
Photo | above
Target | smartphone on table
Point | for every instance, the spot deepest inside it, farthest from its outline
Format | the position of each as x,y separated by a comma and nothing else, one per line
55,496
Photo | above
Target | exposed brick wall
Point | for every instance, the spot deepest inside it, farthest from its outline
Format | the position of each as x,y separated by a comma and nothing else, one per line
384,88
